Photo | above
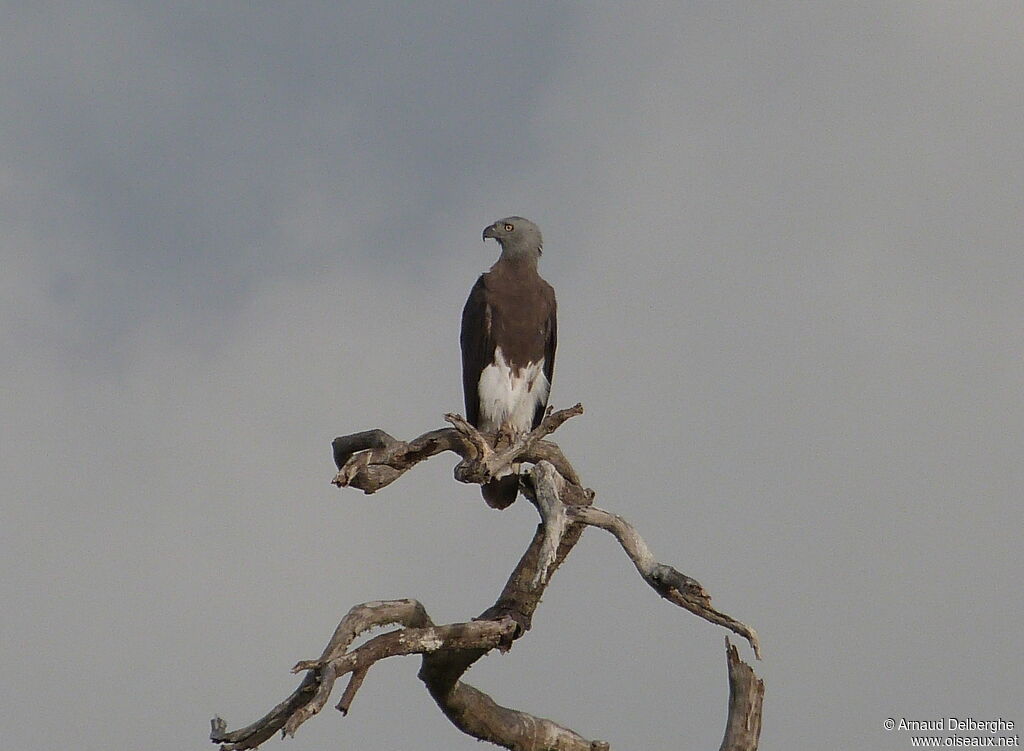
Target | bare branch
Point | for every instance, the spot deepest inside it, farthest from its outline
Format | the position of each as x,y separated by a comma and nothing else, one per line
477,714
674,586
544,486
373,459
525,442
358,620
482,635
312,694
354,684
369,615
746,694
253,735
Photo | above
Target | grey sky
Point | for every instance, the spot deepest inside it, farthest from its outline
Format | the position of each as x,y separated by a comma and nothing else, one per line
787,245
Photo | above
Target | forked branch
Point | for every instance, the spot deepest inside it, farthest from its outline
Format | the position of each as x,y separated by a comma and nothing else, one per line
373,459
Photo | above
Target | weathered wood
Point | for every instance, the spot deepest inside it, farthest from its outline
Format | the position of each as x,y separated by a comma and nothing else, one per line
372,459
746,693
666,581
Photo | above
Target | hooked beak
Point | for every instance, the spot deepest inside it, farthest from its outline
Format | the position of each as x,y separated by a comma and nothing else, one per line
489,232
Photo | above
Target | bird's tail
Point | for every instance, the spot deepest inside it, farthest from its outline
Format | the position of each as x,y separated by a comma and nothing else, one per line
501,492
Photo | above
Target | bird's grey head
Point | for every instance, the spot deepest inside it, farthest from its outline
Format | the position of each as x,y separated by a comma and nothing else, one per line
519,238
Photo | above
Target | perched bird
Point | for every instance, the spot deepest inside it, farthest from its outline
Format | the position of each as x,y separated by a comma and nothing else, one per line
508,344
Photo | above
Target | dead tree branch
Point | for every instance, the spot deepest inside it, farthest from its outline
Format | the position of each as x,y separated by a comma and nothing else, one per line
666,581
373,459
746,692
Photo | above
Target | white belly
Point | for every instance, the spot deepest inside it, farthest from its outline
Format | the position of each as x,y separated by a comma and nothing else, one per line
511,398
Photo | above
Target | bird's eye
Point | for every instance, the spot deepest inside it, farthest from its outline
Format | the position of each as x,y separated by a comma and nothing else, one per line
508,228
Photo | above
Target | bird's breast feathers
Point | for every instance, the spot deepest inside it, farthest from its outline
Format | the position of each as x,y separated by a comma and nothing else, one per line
511,394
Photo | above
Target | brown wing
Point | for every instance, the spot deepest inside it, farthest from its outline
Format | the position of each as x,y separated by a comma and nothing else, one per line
477,347
550,343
